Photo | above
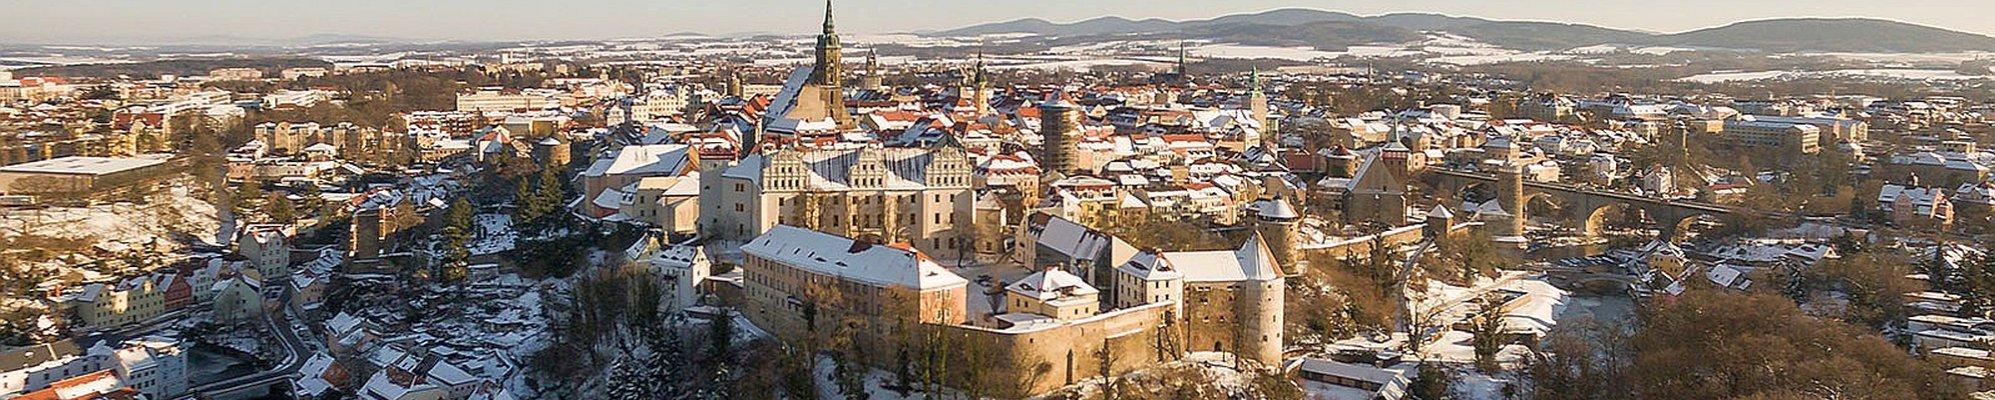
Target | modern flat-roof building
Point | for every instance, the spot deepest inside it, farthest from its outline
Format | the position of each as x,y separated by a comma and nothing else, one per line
78,174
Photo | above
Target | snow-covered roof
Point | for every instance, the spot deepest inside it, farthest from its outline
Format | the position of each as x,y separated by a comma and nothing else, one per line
652,159
838,256
1051,284
83,165
1252,262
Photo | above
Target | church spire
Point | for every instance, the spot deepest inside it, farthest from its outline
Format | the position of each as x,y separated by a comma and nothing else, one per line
828,28
1254,80
829,58
1182,71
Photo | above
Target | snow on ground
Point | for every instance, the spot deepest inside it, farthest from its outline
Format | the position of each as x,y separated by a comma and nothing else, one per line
876,380
1881,73
1077,65
1230,50
495,234
1499,58
166,220
1659,50
1947,58
1595,49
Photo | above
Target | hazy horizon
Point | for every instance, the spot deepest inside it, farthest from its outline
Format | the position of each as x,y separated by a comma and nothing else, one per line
113,22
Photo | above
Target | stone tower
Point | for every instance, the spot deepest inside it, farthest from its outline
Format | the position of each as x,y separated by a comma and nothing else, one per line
1259,305
1439,222
980,87
710,200
1257,103
1510,193
872,80
828,77
551,151
1183,68
1278,223
1059,131
830,57
734,83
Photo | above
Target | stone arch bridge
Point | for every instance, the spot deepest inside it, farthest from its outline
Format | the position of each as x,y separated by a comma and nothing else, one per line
1580,207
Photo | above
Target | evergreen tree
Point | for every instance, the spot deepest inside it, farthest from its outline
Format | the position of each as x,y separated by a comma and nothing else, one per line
1432,382
524,209
457,232
628,381
282,211
249,191
849,375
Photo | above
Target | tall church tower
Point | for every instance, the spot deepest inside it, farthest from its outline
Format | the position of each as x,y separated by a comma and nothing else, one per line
1257,103
830,57
829,74
872,80
981,88
734,83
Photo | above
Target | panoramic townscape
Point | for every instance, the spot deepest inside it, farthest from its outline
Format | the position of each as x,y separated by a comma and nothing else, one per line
1290,204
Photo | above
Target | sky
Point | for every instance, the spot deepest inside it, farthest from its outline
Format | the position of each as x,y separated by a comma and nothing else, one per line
148,21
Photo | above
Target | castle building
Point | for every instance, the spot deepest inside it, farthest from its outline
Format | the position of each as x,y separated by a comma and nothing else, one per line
798,278
1232,300
1042,331
918,195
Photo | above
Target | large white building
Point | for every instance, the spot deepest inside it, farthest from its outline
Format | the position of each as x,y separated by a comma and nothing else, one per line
1752,131
916,195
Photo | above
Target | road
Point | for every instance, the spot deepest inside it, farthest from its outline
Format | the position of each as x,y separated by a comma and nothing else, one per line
294,359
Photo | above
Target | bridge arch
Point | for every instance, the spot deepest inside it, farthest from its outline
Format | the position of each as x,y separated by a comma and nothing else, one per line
1593,220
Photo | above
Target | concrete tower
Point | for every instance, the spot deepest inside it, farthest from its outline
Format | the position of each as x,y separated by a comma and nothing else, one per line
1059,131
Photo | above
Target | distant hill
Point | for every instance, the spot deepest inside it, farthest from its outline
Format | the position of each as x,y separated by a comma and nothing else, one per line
1830,34
1097,26
1331,30
1544,36
185,67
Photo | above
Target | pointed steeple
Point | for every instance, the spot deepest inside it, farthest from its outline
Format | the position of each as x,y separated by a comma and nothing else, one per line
1183,71
1254,80
830,61
828,27
980,69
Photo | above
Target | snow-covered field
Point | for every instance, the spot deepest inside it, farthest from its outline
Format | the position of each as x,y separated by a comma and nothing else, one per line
1878,73
1228,50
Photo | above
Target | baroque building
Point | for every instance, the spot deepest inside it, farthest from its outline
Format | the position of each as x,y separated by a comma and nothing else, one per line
921,196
